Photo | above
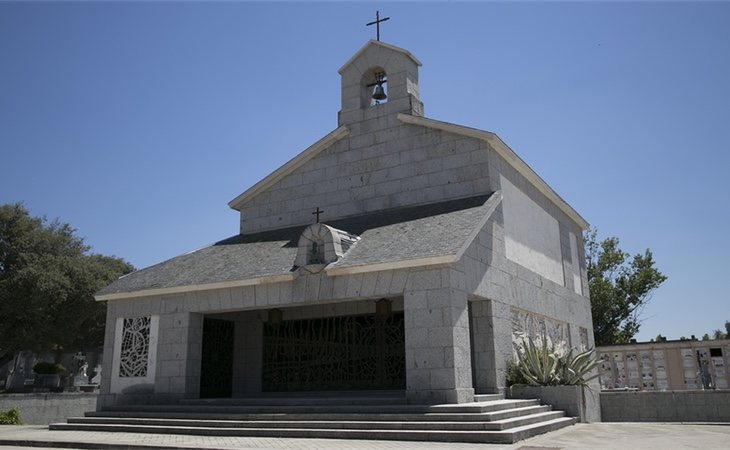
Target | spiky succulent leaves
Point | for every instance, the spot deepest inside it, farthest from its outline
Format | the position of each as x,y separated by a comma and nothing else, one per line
576,370
537,364
514,375
540,365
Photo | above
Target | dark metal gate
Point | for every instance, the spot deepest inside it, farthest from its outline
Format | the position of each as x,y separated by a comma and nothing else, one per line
216,374
335,353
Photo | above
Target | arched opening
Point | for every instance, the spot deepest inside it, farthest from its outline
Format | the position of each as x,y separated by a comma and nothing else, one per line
374,87
315,255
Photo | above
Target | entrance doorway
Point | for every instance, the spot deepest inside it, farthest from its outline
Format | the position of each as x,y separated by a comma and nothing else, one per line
216,375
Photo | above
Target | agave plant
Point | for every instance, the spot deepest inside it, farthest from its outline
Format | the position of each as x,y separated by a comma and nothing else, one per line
537,363
541,365
576,370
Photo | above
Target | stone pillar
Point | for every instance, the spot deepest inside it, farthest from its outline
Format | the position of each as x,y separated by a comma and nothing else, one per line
438,359
181,341
501,320
105,397
482,342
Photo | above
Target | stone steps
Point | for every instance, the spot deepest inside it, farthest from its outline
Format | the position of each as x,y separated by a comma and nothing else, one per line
487,397
475,407
328,424
502,436
341,400
500,414
490,419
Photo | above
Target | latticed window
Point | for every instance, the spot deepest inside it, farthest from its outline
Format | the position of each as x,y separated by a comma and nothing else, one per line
134,356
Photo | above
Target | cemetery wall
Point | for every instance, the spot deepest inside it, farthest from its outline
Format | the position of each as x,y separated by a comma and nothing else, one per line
42,409
666,406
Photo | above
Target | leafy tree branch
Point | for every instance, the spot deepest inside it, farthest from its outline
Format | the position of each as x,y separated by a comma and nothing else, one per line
47,281
620,287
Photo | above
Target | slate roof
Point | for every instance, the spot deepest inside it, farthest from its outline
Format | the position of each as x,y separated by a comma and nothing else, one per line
385,236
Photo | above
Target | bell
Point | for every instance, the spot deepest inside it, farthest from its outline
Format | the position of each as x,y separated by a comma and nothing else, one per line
379,93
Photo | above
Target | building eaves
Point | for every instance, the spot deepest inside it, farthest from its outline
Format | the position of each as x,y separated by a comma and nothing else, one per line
415,236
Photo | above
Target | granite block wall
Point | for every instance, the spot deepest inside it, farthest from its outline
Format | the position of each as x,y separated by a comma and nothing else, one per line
506,286
390,165
666,406
42,409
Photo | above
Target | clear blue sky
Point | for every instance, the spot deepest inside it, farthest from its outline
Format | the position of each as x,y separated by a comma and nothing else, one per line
138,122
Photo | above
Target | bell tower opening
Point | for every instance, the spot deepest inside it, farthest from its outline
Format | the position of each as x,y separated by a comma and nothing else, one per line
379,79
375,87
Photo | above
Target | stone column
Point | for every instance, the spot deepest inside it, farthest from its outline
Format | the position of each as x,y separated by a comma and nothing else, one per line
501,320
181,340
105,397
485,375
438,360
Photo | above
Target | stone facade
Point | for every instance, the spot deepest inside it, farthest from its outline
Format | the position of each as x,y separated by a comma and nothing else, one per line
42,409
444,222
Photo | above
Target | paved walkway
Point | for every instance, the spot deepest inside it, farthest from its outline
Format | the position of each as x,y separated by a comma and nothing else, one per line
599,436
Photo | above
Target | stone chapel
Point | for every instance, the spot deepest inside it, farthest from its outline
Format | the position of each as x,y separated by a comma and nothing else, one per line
397,253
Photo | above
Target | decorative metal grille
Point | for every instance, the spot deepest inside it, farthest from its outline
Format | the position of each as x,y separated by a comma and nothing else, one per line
135,347
335,353
216,375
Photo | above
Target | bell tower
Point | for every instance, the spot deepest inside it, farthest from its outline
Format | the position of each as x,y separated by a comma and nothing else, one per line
379,80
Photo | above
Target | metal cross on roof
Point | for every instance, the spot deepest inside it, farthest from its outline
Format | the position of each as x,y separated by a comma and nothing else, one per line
377,23
317,213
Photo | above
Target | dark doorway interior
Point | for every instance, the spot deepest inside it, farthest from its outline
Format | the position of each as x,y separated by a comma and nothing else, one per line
335,353
216,375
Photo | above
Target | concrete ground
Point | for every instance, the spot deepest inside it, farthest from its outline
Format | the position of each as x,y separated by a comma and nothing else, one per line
597,436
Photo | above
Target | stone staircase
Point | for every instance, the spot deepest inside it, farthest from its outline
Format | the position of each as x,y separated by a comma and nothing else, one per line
382,416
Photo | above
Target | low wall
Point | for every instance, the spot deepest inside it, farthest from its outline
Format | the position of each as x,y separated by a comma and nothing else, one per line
42,409
576,401
666,406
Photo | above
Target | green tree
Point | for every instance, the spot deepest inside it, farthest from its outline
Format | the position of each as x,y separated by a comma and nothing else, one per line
705,337
620,286
47,282
719,334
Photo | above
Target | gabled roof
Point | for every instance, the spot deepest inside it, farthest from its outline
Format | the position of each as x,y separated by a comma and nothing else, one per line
381,44
290,166
499,146
439,237
505,152
419,236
